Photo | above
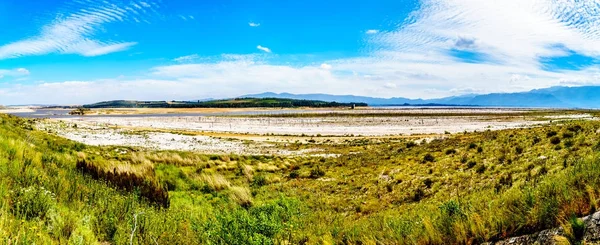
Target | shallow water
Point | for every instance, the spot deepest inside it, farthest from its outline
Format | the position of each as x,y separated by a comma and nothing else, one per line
58,114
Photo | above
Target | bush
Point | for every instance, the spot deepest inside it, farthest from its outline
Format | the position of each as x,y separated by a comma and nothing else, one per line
568,143
551,134
575,128
316,173
519,150
418,195
481,169
450,151
294,174
150,190
410,144
241,195
471,164
479,149
567,135
555,140
428,158
259,180
33,202
577,230
472,146
215,182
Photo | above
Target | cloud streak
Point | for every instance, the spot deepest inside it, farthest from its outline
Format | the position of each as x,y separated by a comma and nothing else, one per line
75,33
264,49
19,72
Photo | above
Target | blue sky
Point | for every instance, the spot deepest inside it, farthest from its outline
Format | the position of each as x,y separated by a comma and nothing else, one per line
82,51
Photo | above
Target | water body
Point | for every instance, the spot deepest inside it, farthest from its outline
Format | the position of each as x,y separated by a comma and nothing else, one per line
58,114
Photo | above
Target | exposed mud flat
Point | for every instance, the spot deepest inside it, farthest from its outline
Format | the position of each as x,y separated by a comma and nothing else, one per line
105,136
336,126
237,134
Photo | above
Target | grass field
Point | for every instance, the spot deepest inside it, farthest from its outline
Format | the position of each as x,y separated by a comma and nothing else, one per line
461,189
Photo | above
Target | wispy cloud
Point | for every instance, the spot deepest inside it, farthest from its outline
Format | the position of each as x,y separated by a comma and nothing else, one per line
187,58
265,49
75,32
14,72
372,31
252,24
326,66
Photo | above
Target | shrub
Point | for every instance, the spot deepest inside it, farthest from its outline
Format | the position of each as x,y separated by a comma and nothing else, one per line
479,149
551,134
259,180
555,140
450,151
472,146
577,228
519,150
418,195
567,135
471,164
241,195
316,173
215,182
428,158
481,169
428,182
150,190
294,174
410,144
33,202
575,128
536,140
568,143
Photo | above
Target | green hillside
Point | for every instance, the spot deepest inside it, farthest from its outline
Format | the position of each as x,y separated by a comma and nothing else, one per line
231,103
468,188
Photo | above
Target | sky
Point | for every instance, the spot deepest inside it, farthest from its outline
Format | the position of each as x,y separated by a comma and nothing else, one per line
85,51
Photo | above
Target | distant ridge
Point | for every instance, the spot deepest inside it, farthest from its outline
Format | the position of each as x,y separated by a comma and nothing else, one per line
226,103
553,97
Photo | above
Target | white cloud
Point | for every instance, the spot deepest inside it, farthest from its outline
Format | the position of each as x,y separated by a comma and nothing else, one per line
390,85
187,58
252,24
22,71
265,49
74,33
19,72
372,31
326,66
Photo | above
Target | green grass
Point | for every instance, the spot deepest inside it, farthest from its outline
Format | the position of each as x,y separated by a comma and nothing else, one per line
466,188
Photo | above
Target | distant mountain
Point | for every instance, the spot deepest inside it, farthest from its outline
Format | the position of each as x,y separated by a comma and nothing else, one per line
227,103
553,97
339,98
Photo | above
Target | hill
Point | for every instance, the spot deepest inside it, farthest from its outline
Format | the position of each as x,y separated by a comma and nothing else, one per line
463,189
228,103
554,97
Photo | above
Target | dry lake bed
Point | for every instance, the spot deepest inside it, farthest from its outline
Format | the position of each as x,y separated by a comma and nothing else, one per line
259,131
